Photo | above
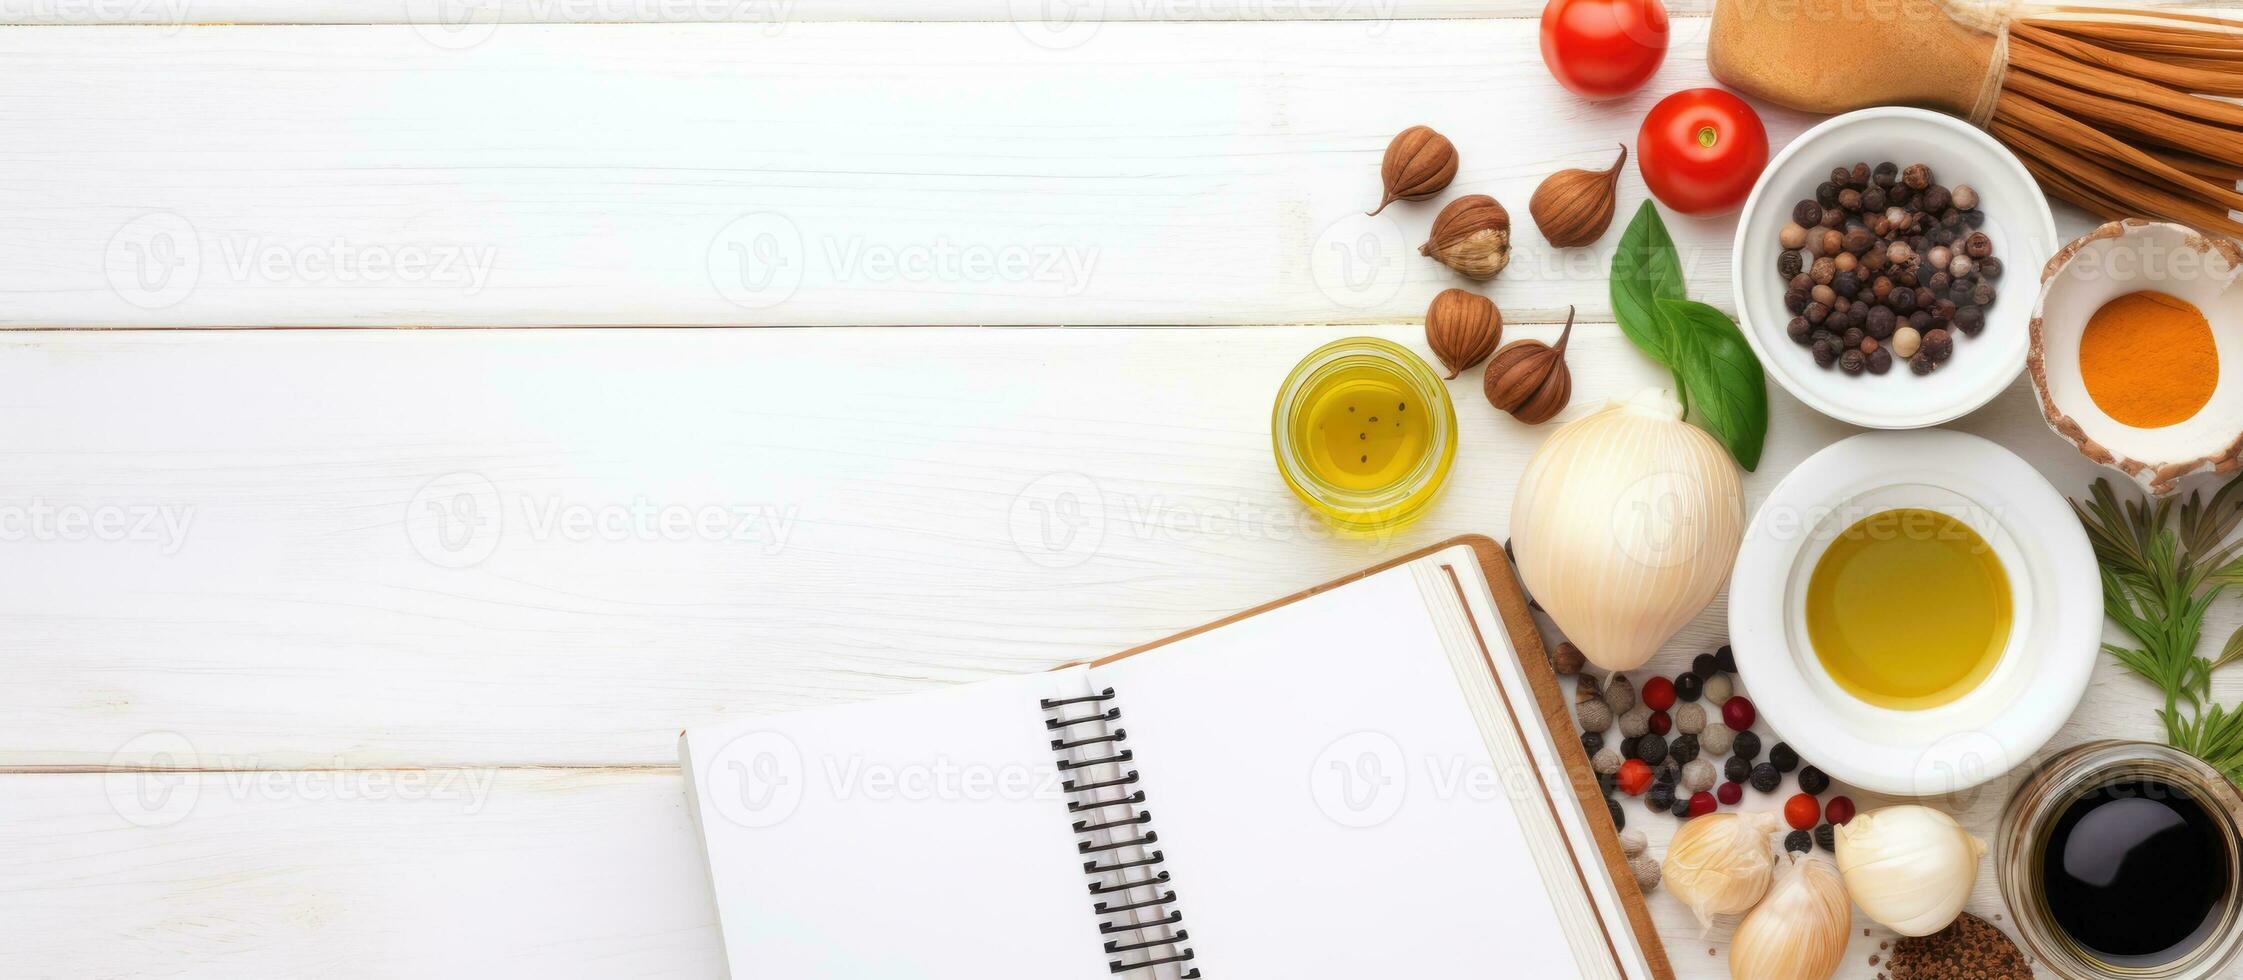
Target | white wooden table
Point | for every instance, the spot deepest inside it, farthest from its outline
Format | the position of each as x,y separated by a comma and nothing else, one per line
362,652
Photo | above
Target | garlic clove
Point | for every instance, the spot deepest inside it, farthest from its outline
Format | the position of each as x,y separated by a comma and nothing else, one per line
1574,207
1419,163
1462,327
1798,932
1910,868
1719,864
1472,235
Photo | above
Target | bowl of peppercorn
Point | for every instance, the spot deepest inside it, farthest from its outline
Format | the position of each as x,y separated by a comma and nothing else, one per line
1873,267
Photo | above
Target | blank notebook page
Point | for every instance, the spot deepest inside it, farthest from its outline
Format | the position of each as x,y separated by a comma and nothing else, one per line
1328,802
913,837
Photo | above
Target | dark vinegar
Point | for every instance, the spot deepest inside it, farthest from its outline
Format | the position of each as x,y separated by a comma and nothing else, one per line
2134,872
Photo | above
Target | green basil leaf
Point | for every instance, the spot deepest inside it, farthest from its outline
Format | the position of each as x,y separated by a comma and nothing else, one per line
1725,380
1645,269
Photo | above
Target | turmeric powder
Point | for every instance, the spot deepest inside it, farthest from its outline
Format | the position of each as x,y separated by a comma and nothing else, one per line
2148,359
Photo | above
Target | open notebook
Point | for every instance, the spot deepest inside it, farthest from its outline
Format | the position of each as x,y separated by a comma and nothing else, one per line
1357,781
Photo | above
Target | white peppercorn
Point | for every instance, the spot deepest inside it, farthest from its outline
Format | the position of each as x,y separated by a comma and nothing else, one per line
1690,717
1595,716
1719,687
1632,843
1635,721
1716,739
1698,776
1646,872
1965,197
1620,694
1607,761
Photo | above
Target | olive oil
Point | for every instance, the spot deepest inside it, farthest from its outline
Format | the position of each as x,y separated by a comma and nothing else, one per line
2134,872
1908,609
1361,430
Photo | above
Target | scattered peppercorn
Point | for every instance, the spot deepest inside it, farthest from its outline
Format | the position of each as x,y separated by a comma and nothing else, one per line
1812,780
1689,687
1746,747
1705,665
1652,749
1731,793
1801,811
1765,778
1591,742
1683,749
1783,757
1799,840
1700,805
1606,783
1726,659
1659,798
1634,777
1619,818
1661,723
1826,838
1658,694
1738,713
1840,810
1689,719
1628,746
1737,769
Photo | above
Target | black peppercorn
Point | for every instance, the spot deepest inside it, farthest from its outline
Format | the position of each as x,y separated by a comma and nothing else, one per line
1978,246
1799,330
1591,742
1725,658
1607,782
1857,240
1938,345
1921,320
1989,268
1842,176
1813,781
1659,799
1826,194
1807,214
1652,749
1858,176
1853,361
1939,282
1852,338
1826,837
1970,320
1885,173
1982,294
1916,177
1935,199
1849,200
1880,323
1902,301
1815,312
1799,841
1872,199
1619,818
1765,778
1783,757
1825,347
1737,769
1880,360
1688,687
1684,749
1705,665
1796,300
1746,746
1668,773
1628,746
1921,365
1790,264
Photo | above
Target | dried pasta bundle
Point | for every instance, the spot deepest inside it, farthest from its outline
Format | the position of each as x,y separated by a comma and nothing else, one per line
2124,112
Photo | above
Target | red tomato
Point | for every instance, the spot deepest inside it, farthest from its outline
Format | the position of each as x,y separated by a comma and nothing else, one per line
1700,151
1602,49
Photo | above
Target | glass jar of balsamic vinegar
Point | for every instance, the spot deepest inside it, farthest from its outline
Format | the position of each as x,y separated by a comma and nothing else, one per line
2122,861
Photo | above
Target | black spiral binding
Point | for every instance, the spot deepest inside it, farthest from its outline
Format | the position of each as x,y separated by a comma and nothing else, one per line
1115,832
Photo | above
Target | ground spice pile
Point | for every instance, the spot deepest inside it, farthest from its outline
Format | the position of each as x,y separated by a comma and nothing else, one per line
2148,360
1971,949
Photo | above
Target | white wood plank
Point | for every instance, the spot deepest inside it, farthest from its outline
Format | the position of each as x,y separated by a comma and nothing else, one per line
353,874
1168,173
451,873
893,484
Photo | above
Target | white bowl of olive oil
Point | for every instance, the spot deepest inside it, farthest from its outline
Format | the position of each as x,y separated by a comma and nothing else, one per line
1915,612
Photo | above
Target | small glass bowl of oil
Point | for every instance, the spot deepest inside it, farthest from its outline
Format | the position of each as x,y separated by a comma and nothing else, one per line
1364,433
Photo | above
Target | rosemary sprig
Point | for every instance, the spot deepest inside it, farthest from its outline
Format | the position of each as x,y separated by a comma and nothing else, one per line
2161,570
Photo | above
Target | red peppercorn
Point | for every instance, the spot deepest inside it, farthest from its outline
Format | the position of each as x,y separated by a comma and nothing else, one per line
1731,793
1658,694
1738,713
1840,810
1802,812
1634,777
1661,723
1701,804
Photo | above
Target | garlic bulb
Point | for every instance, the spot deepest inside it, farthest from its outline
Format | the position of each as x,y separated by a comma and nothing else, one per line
1910,868
1799,931
1625,526
1718,864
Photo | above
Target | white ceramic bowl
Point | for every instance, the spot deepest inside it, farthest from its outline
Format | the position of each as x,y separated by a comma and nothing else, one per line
2055,627
2119,258
2017,219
